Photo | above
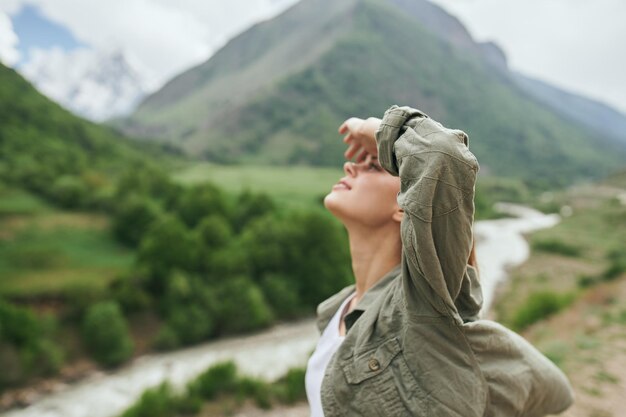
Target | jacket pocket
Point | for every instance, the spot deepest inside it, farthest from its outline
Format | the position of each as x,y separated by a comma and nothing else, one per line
372,363
381,384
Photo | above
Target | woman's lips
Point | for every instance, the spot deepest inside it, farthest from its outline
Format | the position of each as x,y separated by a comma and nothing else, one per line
342,185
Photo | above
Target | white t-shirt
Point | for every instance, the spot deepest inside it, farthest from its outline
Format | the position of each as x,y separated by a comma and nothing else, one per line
326,347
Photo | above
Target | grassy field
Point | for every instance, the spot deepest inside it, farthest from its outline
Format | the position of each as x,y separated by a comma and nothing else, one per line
295,185
305,186
47,251
568,298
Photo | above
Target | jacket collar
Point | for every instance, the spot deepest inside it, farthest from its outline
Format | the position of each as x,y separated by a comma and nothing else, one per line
327,309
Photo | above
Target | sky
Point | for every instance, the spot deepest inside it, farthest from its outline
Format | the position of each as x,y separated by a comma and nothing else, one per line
161,37
579,45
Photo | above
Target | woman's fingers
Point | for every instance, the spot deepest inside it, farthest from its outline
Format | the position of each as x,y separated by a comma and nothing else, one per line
344,127
352,150
362,156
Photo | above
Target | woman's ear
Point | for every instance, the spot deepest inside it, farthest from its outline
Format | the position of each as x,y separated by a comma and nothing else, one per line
398,215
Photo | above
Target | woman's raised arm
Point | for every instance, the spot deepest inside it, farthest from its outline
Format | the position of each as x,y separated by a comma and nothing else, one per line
438,174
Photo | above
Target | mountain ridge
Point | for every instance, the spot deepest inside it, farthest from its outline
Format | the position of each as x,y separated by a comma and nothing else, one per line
382,56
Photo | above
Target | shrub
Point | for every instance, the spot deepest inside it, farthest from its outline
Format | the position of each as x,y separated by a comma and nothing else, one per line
168,245
242,306
291,387
281,294
155,402
222,383
133,219
214,231
43,358
26,348
229,260
147,181
251,206
199,201
257,389
304,245
219,378
106,334
539,306
70,192
191,323
557,247
20,326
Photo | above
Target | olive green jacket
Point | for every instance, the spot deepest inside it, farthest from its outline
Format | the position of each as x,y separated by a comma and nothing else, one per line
414,346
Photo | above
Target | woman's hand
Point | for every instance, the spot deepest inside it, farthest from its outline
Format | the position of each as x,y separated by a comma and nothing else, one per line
360,136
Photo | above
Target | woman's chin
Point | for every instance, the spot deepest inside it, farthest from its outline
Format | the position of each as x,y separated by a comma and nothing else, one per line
331,202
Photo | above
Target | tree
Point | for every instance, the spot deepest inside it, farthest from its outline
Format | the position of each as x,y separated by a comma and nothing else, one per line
166,246
133,219
251,206
106,333
281,293
200,201
214,231
241,306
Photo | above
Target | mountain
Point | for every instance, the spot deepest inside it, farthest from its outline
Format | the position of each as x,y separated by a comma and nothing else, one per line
48,150
591,113
277,92
97,85
598,117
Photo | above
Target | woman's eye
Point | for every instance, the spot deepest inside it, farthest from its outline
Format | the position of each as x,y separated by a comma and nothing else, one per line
374,166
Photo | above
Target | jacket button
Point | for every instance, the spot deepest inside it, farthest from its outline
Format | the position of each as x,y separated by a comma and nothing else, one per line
374,364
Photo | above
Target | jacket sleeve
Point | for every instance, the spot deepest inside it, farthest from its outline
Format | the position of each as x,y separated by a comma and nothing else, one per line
438,174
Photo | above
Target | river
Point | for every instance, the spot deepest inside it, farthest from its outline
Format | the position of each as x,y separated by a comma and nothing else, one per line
269,354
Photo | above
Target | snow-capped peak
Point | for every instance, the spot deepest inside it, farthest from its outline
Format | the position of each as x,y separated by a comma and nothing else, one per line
97,85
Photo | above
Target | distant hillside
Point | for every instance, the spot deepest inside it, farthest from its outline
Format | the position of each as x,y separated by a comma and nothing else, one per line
276,93
48,150
584,112
581,110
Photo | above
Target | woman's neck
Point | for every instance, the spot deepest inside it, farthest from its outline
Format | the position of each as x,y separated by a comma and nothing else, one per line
374,253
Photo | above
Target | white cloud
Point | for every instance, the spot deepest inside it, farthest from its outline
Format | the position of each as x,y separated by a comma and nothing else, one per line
157,38
164,36
9,55
576,44
10,6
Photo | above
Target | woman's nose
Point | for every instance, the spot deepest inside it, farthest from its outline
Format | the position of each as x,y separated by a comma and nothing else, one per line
349,168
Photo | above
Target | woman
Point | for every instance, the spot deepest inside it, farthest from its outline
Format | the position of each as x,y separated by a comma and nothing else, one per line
405,339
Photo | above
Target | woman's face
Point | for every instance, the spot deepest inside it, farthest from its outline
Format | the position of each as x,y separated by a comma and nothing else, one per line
365,195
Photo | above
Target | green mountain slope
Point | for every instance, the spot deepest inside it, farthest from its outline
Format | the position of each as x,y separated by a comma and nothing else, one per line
357,58
46,149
